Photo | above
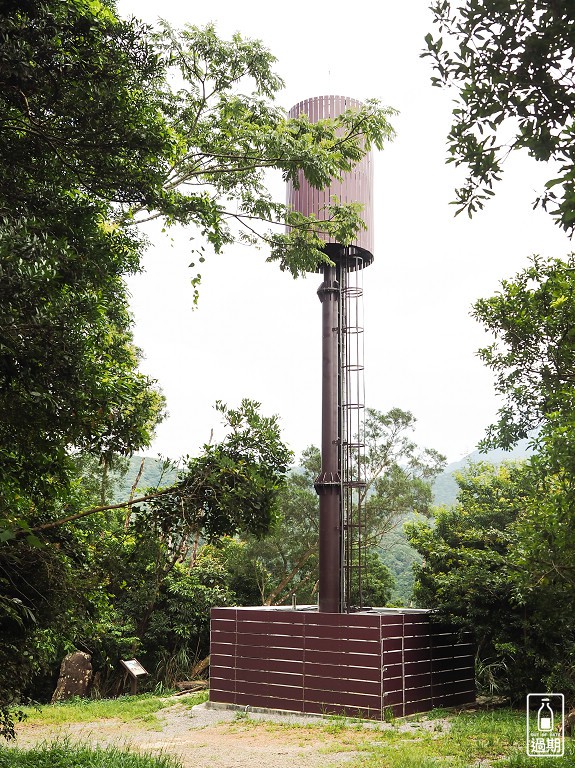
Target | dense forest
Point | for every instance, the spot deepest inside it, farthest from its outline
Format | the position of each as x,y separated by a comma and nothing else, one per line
95,555
394,550
107,123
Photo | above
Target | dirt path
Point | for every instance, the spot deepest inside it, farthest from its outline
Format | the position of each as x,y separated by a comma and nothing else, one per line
200,737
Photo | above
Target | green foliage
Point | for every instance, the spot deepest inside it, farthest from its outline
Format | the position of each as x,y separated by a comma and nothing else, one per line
233,486
8,716
533,355
505,557
399,474
500,562
242,570
512,66
372,583
113,132
156,473
80,131
96,138
172,616
395,550
476,573
227,140
399,556
285,562
63,754
162,582
49,589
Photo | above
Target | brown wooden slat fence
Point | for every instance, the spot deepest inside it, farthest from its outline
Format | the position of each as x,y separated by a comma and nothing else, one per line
352,664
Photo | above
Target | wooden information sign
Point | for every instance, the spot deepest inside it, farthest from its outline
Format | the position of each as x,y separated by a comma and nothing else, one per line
135,670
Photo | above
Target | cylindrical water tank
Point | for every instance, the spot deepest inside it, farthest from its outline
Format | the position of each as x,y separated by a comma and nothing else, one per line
356,186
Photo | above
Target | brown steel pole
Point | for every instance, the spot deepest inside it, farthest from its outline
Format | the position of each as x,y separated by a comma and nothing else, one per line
328,484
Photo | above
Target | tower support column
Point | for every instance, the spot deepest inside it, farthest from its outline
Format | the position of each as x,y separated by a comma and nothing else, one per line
328,482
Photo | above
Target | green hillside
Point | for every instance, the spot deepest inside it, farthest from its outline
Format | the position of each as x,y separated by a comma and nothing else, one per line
445,486
154,474
399,556
396,552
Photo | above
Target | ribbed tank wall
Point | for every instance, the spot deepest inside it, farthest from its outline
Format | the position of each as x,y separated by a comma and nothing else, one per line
356,186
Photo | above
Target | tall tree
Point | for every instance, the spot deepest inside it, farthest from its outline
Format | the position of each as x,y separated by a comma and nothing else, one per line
78,133
479,573
512,66
506,550
533,356
532,320
399,476
112,584
105,124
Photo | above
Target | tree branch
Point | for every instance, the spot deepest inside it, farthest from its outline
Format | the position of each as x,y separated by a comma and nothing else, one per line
93,511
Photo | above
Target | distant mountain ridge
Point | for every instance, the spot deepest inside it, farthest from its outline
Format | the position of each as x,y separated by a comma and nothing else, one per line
153,475
445,487
398,554
395,552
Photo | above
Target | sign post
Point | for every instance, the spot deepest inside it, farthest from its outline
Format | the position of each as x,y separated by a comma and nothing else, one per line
135,670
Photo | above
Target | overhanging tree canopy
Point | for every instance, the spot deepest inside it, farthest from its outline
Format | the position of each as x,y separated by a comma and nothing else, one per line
79,132
104,124
532,320
512,66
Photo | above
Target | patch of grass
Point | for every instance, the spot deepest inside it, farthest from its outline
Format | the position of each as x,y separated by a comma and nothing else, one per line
435,714
388,716
63,754
124,708
475,739
141,708
339,723
191,699
493,739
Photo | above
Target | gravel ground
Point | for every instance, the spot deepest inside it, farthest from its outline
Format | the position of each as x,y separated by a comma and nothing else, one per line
225,738
203,737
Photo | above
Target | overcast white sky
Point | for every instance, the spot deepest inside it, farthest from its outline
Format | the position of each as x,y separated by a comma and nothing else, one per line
257,331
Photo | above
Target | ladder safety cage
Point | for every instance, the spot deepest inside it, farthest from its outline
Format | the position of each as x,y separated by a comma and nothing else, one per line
352,430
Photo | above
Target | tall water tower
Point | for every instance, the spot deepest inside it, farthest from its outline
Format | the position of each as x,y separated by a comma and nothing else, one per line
341,480
365,662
